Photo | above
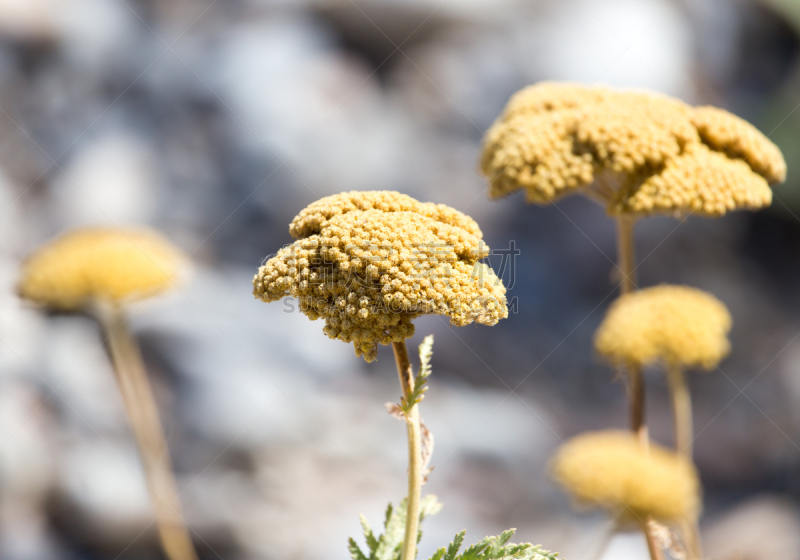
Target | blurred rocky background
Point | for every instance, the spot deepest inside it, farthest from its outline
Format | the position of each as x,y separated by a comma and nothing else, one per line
216,121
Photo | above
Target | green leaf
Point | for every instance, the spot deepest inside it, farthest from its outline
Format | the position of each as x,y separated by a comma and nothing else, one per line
429,505
421,381
355,551
493,548
391,541
388,545
452,550
425,354
369,536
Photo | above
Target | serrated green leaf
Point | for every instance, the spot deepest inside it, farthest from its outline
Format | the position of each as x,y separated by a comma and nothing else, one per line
388,545
425,354
391,540
429,505
369,536
505,536
420,382
355,551
454,547
475,552
493,548
388,515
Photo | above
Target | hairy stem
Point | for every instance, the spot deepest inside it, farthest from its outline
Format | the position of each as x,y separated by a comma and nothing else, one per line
415,475
626,254
143,415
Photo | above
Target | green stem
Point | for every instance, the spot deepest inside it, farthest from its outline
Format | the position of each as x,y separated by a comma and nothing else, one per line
415,467
143,415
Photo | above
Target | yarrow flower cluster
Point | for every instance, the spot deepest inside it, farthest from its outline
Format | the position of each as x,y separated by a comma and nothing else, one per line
638,153
678,325
371,262
614,471
99,263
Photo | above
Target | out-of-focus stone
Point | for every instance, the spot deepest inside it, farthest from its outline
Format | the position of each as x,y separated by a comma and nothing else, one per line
29,19
93,33
77,370
111,180
321,112
625,43
762,528
101,498
27,454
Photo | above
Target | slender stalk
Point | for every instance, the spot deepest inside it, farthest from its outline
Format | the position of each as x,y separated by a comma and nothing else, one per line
684,435
143,415
415,475
653,546
626,257
681,410
690,531
626,254
636,397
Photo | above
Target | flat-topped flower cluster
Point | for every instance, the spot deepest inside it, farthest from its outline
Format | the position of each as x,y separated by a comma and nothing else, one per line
371,262
638,153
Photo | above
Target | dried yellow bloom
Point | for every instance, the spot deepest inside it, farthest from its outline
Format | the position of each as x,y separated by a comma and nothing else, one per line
614,471
638,153
102,264
371,262
678,325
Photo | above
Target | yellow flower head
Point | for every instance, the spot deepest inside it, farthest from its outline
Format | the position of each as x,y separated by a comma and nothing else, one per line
638,153
678,325
613,470
98,264
371,262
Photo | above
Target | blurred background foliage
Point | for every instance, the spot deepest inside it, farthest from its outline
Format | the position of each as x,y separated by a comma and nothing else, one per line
216,121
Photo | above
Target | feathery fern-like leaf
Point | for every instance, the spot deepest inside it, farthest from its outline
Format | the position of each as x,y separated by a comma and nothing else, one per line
493,548
388,545
421,381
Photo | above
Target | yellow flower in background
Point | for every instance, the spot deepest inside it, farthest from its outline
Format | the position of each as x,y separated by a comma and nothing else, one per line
104,264
614,471
678,325
637,153
371,262
96,271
